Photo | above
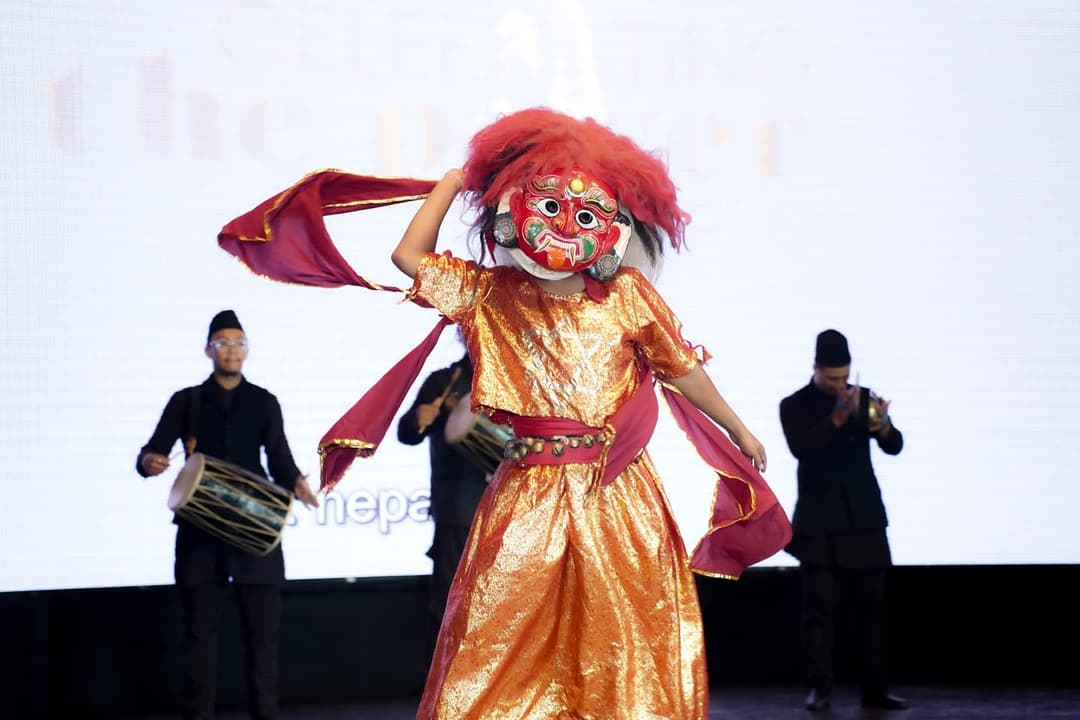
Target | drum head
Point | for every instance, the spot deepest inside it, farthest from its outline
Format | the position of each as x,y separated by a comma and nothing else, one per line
185,482
231,503
461,420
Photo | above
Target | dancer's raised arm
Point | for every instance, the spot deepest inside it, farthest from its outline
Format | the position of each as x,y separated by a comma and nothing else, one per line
423,232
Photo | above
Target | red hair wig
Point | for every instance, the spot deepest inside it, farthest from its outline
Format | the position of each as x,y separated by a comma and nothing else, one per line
508,153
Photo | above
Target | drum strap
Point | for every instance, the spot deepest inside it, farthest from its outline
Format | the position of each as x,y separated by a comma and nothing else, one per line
191,424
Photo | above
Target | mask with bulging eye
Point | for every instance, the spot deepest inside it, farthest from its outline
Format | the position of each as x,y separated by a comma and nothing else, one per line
562,223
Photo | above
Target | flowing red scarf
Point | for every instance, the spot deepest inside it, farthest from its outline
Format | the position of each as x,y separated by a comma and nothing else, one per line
285,238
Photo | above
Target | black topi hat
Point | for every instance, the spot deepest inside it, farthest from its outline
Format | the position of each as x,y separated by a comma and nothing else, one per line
832,350
224,320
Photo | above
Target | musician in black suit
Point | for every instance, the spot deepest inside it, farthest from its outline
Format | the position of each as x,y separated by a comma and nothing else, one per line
839,520
230,419
457,482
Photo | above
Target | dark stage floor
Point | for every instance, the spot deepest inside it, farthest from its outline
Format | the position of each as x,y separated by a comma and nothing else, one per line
782,703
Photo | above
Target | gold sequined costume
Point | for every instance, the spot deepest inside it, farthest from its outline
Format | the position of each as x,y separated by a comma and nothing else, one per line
571,600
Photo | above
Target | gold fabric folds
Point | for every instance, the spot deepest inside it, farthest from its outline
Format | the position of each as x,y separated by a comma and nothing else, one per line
569,602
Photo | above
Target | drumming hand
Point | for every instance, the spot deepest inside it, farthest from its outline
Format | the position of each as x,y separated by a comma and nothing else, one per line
303,492
154,463
427,413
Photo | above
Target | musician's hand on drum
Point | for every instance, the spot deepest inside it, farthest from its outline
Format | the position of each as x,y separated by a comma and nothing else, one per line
427,413
154,463
304,494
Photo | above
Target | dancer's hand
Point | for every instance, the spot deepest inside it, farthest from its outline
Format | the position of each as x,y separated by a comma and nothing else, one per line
752,448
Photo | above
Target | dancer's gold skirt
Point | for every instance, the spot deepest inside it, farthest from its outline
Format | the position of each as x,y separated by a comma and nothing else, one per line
571,603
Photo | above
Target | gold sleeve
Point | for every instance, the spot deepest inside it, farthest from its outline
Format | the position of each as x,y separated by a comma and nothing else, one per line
449,284
657,332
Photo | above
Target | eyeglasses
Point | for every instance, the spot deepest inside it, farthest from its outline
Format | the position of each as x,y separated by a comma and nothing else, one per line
222,344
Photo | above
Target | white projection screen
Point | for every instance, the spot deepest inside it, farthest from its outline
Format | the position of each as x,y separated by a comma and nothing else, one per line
906,172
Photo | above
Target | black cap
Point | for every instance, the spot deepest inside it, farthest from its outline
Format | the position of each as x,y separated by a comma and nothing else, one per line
831,350
224,320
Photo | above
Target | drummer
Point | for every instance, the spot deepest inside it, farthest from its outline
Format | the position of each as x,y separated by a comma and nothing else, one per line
457,482
230,419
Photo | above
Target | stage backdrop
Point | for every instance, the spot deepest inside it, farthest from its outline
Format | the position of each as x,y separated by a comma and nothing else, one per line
905,172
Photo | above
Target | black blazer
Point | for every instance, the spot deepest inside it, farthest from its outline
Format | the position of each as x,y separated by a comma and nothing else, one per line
837,489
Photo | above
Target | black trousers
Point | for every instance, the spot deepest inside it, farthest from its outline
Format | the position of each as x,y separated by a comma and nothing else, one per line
260,615
447,546
827,590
